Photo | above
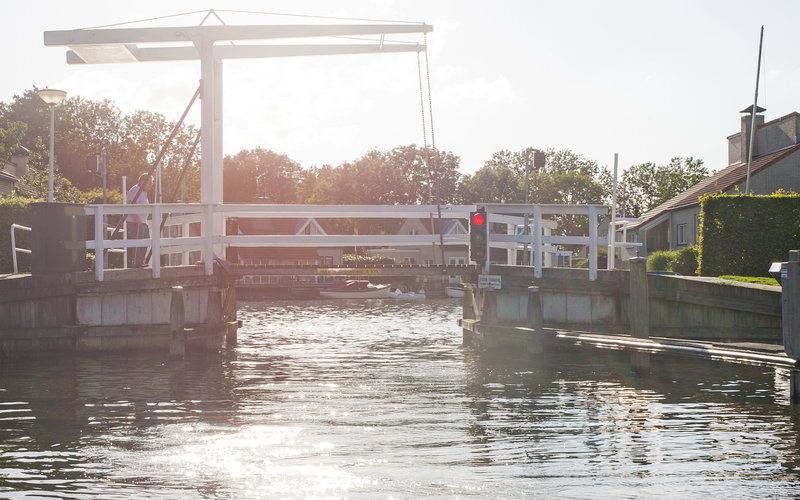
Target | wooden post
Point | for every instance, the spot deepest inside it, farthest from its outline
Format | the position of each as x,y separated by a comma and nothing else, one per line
639,312
177,334
535,316
213,316
638,303
489,313
794,386
229,314
535,320
790,304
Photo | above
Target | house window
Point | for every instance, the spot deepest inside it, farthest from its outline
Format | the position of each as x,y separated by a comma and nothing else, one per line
456,261
681,233
412,232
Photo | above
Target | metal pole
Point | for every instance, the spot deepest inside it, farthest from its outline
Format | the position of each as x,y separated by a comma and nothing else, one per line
52,146
104,178
753,117
525,230
612,227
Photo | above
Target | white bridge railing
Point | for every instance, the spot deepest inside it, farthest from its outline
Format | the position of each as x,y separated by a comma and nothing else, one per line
202,229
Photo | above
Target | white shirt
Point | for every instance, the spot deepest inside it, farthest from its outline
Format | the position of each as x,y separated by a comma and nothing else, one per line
139,218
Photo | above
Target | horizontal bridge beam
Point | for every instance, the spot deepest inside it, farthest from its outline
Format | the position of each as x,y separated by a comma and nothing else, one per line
132,53
378,270
124,36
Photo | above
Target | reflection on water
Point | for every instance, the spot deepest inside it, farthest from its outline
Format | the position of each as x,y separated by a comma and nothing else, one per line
371,399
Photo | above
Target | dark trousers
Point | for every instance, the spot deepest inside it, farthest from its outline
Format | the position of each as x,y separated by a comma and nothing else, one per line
136,254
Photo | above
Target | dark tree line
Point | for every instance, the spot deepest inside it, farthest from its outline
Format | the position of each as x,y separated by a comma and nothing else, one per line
404,175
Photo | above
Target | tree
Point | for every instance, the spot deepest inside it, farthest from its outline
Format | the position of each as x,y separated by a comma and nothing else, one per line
84,128
566,178
647,185
406,175
9,140
261,172
37,179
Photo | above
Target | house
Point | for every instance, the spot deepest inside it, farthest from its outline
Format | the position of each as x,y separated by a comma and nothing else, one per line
14,170
281,256
776,165
428,254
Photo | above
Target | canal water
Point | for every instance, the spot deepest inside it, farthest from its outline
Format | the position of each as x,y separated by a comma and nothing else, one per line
378,399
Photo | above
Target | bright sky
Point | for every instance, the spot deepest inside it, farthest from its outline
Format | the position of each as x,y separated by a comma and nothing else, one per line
648,80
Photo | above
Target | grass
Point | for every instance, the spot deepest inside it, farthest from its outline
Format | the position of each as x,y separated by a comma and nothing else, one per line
759,280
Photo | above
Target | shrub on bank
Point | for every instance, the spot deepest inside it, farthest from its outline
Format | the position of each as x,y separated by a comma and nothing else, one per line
683,261
352,259
743,235
660,260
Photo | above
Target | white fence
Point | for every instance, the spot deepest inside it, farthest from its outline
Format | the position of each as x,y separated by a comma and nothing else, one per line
210,238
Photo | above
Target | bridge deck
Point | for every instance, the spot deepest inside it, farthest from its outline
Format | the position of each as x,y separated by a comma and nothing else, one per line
370,270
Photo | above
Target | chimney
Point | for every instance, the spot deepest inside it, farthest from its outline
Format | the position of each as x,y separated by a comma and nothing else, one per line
744,144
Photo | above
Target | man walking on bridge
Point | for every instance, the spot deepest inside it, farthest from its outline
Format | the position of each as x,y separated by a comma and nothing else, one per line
137,223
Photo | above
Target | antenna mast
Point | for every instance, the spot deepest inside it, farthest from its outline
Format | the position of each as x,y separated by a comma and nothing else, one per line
753,117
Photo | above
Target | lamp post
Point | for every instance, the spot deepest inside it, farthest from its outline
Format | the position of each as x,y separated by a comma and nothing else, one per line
51,97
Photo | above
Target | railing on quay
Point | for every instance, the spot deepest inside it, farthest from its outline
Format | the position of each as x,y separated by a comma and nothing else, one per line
203,229
14,248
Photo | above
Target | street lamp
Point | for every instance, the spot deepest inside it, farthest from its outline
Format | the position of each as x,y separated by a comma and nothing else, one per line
51,97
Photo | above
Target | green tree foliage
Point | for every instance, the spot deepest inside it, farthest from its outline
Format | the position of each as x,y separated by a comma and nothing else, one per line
647,185
37,180
10,138
400,176
567,177
84,128
261,173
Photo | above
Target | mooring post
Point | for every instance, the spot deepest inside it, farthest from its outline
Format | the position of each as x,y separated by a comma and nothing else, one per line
489,312
790,317
214,316
639,311
177,334
229,314
535,320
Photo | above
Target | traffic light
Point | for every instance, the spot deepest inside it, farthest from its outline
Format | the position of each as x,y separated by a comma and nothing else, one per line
477,236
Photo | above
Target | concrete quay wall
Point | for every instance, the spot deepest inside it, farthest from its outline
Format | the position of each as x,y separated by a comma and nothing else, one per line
129,310
679,306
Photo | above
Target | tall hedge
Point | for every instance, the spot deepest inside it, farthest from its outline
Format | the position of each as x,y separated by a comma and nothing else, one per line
743,235
14,210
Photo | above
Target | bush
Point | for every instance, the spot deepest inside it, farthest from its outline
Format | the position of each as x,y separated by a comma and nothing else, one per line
685,261
14,210
661,260
743,235
354,260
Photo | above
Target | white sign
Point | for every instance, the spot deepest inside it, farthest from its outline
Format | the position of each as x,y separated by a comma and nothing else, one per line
489,281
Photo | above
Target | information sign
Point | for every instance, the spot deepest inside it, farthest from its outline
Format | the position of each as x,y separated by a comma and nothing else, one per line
489,281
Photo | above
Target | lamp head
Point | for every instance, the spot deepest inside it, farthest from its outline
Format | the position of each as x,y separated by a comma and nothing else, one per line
52,96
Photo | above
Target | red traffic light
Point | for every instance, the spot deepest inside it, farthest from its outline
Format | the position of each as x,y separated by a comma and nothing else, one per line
478,219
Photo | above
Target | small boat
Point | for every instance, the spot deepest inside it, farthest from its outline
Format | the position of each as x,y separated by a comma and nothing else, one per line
454,291
399,294
355,289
